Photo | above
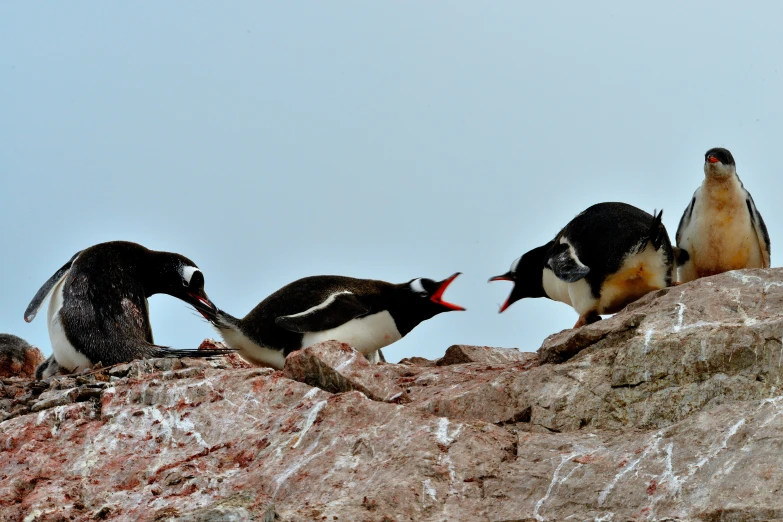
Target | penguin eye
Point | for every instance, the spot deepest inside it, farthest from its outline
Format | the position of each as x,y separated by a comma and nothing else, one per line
185,282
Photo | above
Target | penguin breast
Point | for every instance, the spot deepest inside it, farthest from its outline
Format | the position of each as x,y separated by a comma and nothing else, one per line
366,334
65,354
721,236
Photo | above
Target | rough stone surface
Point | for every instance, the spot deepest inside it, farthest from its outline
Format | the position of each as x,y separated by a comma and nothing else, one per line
336,367
671,410
463,354
17,357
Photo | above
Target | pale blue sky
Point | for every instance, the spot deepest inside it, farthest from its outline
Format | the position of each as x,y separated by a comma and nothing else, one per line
391,140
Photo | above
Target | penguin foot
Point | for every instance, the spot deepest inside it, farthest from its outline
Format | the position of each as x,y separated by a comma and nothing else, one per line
588,318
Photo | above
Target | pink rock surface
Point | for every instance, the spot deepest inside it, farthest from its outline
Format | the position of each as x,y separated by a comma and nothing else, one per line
17,357
671,410
336,367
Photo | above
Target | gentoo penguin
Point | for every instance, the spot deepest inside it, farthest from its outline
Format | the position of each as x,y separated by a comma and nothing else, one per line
721,229
606,257
364,313
98,311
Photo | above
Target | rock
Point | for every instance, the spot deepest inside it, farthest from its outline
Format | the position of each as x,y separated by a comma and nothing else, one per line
17,357
463,354
336,367
417,361
670,354
671,410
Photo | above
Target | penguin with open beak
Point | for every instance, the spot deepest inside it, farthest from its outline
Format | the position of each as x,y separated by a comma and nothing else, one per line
364,313
606,257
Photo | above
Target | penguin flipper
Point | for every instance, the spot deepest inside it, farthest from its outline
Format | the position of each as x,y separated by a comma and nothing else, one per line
761,230
45,290
337,309
565,264
685,220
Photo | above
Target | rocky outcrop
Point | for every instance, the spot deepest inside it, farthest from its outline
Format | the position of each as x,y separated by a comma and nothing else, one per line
669,410
17,357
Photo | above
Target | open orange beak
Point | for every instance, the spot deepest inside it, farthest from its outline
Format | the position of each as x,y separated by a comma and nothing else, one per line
437,297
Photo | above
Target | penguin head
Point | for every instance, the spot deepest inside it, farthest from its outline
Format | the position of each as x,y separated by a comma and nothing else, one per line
426,296
719,163
181,278
527,274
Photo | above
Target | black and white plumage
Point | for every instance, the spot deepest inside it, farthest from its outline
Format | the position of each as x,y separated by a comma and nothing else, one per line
364,313
606,257
721,229
98,309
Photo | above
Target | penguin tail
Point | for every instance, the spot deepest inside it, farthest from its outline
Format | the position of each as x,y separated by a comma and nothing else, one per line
657,230
162,351
224,321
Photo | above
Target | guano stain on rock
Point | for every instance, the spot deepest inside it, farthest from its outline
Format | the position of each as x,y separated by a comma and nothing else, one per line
670,410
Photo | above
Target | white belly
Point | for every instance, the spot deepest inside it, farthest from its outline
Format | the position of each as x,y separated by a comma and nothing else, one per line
366,334
577,294
64,353
720,236
252,352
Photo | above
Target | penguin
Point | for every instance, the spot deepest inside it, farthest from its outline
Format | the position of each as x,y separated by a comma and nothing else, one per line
98,309
364,313
721,228
606,257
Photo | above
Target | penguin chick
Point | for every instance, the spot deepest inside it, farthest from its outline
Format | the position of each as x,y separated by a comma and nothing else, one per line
98,311
364,313
606,257
721,228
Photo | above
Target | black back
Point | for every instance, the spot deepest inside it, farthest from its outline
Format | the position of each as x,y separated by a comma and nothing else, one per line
105,314
605,233
264,324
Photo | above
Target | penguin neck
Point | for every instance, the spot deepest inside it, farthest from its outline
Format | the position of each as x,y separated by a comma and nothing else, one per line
408,309
533,280
723,190
720,175
155,273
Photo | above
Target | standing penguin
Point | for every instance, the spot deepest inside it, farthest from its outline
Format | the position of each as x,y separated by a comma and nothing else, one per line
99,313
364,313
606,257
721,229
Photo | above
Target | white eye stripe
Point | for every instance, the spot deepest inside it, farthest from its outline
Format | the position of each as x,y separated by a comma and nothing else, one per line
187,272
515,264
417,287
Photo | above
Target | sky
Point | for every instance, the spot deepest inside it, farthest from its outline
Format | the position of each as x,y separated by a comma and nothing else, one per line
269,141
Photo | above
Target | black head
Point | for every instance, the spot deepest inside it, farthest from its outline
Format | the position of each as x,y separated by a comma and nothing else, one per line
719,164
421,299
719,155
430,294
178,276
527,274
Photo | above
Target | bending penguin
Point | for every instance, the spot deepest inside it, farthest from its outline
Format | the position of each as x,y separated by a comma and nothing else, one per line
721,229
606,257
364,313
98,311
